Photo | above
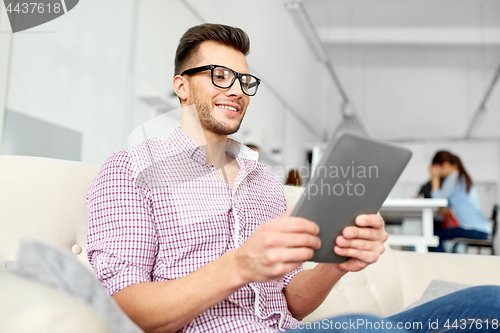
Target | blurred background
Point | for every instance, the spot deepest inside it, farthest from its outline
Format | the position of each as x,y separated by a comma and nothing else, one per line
419,73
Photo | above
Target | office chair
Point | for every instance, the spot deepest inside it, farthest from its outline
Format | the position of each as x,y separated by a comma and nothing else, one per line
480,243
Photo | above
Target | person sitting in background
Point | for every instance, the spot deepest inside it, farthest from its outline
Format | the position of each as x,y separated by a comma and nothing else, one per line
425,191
293,178
462,197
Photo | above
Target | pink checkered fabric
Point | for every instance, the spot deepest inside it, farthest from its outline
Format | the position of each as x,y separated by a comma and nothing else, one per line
158,211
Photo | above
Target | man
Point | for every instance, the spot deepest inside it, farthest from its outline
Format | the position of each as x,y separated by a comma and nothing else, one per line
191,234
247,280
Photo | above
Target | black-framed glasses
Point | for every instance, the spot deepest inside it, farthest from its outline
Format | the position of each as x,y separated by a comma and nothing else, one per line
223,77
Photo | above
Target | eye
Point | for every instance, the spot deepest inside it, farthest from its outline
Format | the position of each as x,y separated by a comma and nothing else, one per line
221,75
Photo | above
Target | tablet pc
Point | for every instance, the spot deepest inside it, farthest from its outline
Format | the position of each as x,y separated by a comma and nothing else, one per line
355,176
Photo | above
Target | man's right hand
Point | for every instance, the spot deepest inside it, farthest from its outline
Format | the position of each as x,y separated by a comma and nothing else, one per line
277,247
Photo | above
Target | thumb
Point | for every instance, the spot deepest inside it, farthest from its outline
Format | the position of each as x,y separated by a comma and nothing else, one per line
288,212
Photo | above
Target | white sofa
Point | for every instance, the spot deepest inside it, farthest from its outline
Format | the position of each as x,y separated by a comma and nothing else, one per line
45,199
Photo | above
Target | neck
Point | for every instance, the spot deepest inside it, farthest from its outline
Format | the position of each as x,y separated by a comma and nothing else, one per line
213,144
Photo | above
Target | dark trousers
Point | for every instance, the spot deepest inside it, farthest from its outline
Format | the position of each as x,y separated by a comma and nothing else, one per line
445,234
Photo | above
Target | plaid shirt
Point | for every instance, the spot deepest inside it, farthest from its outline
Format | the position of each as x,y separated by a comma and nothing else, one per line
158,211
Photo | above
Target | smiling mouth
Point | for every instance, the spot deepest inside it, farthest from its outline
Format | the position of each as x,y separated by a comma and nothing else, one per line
227,107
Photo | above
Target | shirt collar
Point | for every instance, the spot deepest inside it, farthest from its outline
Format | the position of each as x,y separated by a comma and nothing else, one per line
237,149
183,143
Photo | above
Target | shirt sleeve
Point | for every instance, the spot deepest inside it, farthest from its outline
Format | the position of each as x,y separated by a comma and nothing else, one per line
122,240
287,278
446,188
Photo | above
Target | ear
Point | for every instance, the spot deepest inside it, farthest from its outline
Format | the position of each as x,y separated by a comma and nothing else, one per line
181,87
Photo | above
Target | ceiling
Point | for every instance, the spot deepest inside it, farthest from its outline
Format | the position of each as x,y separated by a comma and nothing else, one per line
404,13
410,66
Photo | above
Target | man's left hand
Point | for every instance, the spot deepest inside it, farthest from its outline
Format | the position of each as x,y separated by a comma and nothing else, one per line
363,243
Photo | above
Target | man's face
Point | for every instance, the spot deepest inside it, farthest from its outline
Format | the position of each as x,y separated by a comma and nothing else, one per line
220,110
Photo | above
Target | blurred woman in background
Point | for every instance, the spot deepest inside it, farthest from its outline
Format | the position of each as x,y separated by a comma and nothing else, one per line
462,197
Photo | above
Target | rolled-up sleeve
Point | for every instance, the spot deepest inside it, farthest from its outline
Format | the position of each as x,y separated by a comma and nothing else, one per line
122,239
287,278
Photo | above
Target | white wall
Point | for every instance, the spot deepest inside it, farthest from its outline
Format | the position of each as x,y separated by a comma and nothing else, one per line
406,92
5,42
73,71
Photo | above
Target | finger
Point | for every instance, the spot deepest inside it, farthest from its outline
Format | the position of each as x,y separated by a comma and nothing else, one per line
370,220
352,265
360,244
295,225
288,212
364,233
289,255
278,271
366,256
290,240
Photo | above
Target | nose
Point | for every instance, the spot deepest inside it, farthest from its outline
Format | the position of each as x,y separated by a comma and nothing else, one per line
235,89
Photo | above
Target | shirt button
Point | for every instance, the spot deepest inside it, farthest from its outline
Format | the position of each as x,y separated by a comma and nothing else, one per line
341,288
76,249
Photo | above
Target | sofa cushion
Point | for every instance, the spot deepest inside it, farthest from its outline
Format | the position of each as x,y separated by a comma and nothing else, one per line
28,306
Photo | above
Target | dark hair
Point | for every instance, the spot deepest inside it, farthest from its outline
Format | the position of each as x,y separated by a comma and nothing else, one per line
446,156
293,178
193,37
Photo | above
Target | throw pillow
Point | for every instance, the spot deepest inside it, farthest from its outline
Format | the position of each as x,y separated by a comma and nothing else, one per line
436,289
42,263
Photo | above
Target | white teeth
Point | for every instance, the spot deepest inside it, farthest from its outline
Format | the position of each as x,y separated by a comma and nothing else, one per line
227,107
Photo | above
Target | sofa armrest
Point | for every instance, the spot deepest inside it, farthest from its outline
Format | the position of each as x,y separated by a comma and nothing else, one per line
417,270
27,306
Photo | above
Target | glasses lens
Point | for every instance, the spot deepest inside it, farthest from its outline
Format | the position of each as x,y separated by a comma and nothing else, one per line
222,77
249,84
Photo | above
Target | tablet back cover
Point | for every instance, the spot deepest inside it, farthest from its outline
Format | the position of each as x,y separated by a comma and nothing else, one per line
355,176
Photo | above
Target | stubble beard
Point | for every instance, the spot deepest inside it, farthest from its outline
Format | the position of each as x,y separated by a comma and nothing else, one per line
209,122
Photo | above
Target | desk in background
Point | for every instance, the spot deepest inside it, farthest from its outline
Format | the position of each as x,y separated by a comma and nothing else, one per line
422,209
